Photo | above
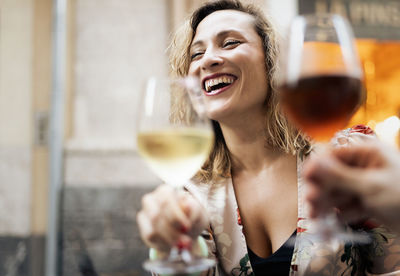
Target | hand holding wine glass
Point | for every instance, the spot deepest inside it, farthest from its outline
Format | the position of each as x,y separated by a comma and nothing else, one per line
321,84
174,138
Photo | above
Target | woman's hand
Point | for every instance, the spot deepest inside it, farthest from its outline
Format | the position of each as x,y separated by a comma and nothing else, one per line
361,180
169,218
353,136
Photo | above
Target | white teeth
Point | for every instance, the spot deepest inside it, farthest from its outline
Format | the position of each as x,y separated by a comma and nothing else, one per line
211,82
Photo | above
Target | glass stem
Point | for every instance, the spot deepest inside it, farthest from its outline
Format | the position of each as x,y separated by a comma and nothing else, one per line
177,254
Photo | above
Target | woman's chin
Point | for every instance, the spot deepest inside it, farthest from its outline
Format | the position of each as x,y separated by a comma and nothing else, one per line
219,116
218,110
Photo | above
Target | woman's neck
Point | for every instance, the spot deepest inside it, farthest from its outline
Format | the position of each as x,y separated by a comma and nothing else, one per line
248,147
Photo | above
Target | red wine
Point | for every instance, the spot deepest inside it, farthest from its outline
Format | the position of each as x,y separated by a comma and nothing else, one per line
321,105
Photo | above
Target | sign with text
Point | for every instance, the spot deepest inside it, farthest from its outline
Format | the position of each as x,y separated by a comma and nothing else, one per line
377,19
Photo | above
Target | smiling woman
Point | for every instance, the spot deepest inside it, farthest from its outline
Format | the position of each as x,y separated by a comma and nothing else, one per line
247,201
226,44
243,46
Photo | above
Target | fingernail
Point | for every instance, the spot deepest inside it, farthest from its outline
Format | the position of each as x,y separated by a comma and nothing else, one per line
184,229
184,244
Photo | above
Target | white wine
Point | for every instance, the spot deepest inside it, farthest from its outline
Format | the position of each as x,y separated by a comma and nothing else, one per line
175,155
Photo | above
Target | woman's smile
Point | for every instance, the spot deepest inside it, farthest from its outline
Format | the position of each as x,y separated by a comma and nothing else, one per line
217,83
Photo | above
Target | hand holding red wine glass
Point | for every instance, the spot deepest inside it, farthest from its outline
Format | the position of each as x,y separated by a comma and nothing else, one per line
321,85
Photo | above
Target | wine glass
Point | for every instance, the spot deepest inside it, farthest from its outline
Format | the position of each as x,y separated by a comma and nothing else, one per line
320,87
174,137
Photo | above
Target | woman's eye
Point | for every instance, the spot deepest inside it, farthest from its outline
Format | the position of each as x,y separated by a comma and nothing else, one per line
195,55
231,43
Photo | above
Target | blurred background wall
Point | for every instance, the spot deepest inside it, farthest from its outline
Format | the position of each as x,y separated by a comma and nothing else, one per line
112,47
24,91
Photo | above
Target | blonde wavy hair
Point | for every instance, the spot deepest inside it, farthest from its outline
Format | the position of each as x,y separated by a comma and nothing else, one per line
279,132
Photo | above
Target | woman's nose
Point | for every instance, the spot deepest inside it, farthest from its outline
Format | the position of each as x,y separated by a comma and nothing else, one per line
211,59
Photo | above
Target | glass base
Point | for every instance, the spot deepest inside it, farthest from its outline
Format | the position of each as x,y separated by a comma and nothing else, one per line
179,267
328,228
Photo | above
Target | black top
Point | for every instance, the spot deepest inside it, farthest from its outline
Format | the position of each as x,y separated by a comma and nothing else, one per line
278,264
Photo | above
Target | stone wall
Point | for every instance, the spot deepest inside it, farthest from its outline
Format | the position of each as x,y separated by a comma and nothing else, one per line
100,231
101,196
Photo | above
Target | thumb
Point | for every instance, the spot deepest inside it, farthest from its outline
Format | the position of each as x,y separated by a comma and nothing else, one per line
186,206
190,207
196,214
331,174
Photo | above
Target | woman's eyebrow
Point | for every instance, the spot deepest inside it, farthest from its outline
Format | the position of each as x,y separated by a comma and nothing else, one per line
220,34
227,32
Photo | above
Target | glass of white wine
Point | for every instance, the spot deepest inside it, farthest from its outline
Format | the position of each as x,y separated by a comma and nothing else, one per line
175,138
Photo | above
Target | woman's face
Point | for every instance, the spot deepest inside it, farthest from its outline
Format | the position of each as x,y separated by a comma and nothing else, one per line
228,57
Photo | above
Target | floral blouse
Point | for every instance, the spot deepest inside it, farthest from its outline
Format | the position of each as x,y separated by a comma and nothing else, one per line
226,241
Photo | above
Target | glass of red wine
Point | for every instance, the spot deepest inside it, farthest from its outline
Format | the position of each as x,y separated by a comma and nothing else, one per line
320,85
